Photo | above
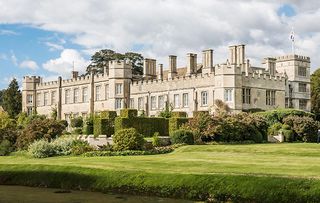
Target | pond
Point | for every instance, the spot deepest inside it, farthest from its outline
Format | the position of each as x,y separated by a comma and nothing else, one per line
21,194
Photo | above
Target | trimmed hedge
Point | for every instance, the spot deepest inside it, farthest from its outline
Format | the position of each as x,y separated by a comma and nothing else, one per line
88,126
128,113
104,124
108,114
179,114
199,113
175,123
145,126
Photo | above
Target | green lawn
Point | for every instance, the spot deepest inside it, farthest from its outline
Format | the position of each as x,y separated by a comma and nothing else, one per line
292,165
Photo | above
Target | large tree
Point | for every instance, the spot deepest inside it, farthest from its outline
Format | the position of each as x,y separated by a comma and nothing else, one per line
12,99
1,96
101,59
315,93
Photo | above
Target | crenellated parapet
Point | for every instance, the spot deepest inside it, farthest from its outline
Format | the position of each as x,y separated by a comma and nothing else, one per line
187,78
293,57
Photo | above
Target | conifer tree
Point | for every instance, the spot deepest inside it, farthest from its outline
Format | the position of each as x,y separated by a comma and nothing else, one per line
12,99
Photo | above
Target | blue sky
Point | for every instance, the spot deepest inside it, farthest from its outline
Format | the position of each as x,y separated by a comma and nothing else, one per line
45,37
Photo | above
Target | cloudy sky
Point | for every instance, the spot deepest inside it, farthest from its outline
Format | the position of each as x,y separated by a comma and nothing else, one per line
45,37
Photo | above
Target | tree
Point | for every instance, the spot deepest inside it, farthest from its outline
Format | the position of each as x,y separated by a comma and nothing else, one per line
1,96
12,99
101,59
315,93
137,62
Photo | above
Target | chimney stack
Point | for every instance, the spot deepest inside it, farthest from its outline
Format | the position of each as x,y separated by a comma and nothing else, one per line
191,63
75,74
271,65
172,66
160,76
207,61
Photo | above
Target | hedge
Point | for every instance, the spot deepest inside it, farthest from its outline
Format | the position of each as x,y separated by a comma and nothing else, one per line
128,113
175,123
108,114
145,126
179,114
103,126
198,113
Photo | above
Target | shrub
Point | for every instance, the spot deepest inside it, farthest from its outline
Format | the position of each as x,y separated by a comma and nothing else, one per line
62,146
41,149
79,147
175,123
128,139
227,128
182,137
64,123
5,147
288,135
156,140
167,111
88,126
274,129
199,125
37,129
305,127
278,115
77,122
77,131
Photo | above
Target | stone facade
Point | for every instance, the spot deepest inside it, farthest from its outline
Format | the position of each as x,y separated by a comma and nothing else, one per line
280,82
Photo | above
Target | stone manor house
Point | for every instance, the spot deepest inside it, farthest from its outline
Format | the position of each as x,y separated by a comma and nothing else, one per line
281,82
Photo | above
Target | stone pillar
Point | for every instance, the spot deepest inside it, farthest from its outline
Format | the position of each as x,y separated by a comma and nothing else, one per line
59,106
172,66
91,101
160,76
247,66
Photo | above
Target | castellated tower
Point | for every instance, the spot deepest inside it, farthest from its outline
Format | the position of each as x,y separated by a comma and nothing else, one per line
297,69
120,75
29,84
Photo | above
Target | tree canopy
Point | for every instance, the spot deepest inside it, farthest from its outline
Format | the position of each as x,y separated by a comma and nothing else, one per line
101,59
315,93
12,99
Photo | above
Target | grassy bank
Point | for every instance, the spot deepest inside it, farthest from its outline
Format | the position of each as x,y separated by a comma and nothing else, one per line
260,173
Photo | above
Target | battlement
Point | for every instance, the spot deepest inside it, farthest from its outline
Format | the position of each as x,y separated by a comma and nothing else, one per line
119,64
264,76
177,78
80,78
32,79
293,57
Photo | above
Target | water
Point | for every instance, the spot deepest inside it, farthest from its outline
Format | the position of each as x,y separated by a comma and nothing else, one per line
21,194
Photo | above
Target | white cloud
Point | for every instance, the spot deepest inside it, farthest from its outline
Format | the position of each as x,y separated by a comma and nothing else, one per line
64,64
8,32
166,27
13,58
54,46
29,64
